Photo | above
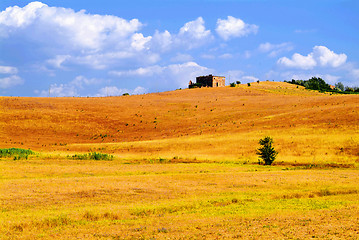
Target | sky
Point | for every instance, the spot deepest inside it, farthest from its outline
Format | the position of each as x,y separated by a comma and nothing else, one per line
87,48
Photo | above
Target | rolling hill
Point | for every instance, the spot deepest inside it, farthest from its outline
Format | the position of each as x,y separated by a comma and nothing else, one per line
208,123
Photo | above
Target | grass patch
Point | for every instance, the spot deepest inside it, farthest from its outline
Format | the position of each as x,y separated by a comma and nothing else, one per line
92,156
15,153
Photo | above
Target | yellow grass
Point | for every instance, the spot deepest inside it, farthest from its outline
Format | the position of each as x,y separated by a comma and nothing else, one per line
185,166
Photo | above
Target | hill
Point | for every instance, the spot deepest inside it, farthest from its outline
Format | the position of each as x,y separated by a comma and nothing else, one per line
184,165
208,123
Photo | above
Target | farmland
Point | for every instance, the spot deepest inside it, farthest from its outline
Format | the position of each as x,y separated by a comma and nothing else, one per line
184,165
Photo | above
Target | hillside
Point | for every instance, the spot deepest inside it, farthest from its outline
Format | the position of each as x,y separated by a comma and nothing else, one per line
207,123
184,166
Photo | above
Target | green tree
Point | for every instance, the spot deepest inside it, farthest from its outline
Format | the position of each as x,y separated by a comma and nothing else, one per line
317,84
266,152
339,86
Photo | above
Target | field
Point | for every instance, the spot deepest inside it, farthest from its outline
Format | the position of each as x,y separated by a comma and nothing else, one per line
184,165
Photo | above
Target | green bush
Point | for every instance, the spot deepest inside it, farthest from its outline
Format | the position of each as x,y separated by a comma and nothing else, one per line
232,84
266,152
16,153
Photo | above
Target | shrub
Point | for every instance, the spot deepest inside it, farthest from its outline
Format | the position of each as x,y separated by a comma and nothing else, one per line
266,152
232,84
238,82
248,84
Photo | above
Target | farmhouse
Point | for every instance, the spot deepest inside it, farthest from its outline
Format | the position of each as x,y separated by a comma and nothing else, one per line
208,81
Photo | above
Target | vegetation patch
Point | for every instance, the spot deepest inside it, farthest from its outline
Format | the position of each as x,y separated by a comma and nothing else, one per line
319,165
15,153
320,85
92,156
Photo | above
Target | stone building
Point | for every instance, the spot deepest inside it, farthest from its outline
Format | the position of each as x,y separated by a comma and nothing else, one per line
208,81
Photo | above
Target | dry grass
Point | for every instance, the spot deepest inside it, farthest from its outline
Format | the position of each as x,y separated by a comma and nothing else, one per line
185,166
89,199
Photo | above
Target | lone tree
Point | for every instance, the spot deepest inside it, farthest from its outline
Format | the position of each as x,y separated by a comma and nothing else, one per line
266,151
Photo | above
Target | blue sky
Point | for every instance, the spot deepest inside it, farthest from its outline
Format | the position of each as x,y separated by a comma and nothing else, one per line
98,48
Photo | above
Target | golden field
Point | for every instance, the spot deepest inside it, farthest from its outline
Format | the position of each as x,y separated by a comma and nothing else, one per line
184,165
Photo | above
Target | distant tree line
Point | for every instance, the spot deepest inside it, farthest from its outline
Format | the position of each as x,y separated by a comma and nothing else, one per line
319,84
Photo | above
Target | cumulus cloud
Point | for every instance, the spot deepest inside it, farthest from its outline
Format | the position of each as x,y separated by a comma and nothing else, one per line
326,57
65,26
320,56
162,41
298,61
69,37
195,29
275,49
11,81
139,42
234,27
193,34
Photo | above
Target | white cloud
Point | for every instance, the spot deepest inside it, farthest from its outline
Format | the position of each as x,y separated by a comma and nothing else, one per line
11,81
142,71
20,17
319,56
139,42
331,79
81,81
162,41
326,57
58,61
234,27
8,70
66,27
180,57
226,56
70,89
114,91
275,49
249,79
60,90
355,73
238,75
193,34
195,29
170,76
298,61
73,38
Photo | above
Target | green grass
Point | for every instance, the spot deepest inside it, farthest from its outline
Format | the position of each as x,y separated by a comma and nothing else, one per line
15,153
92,156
